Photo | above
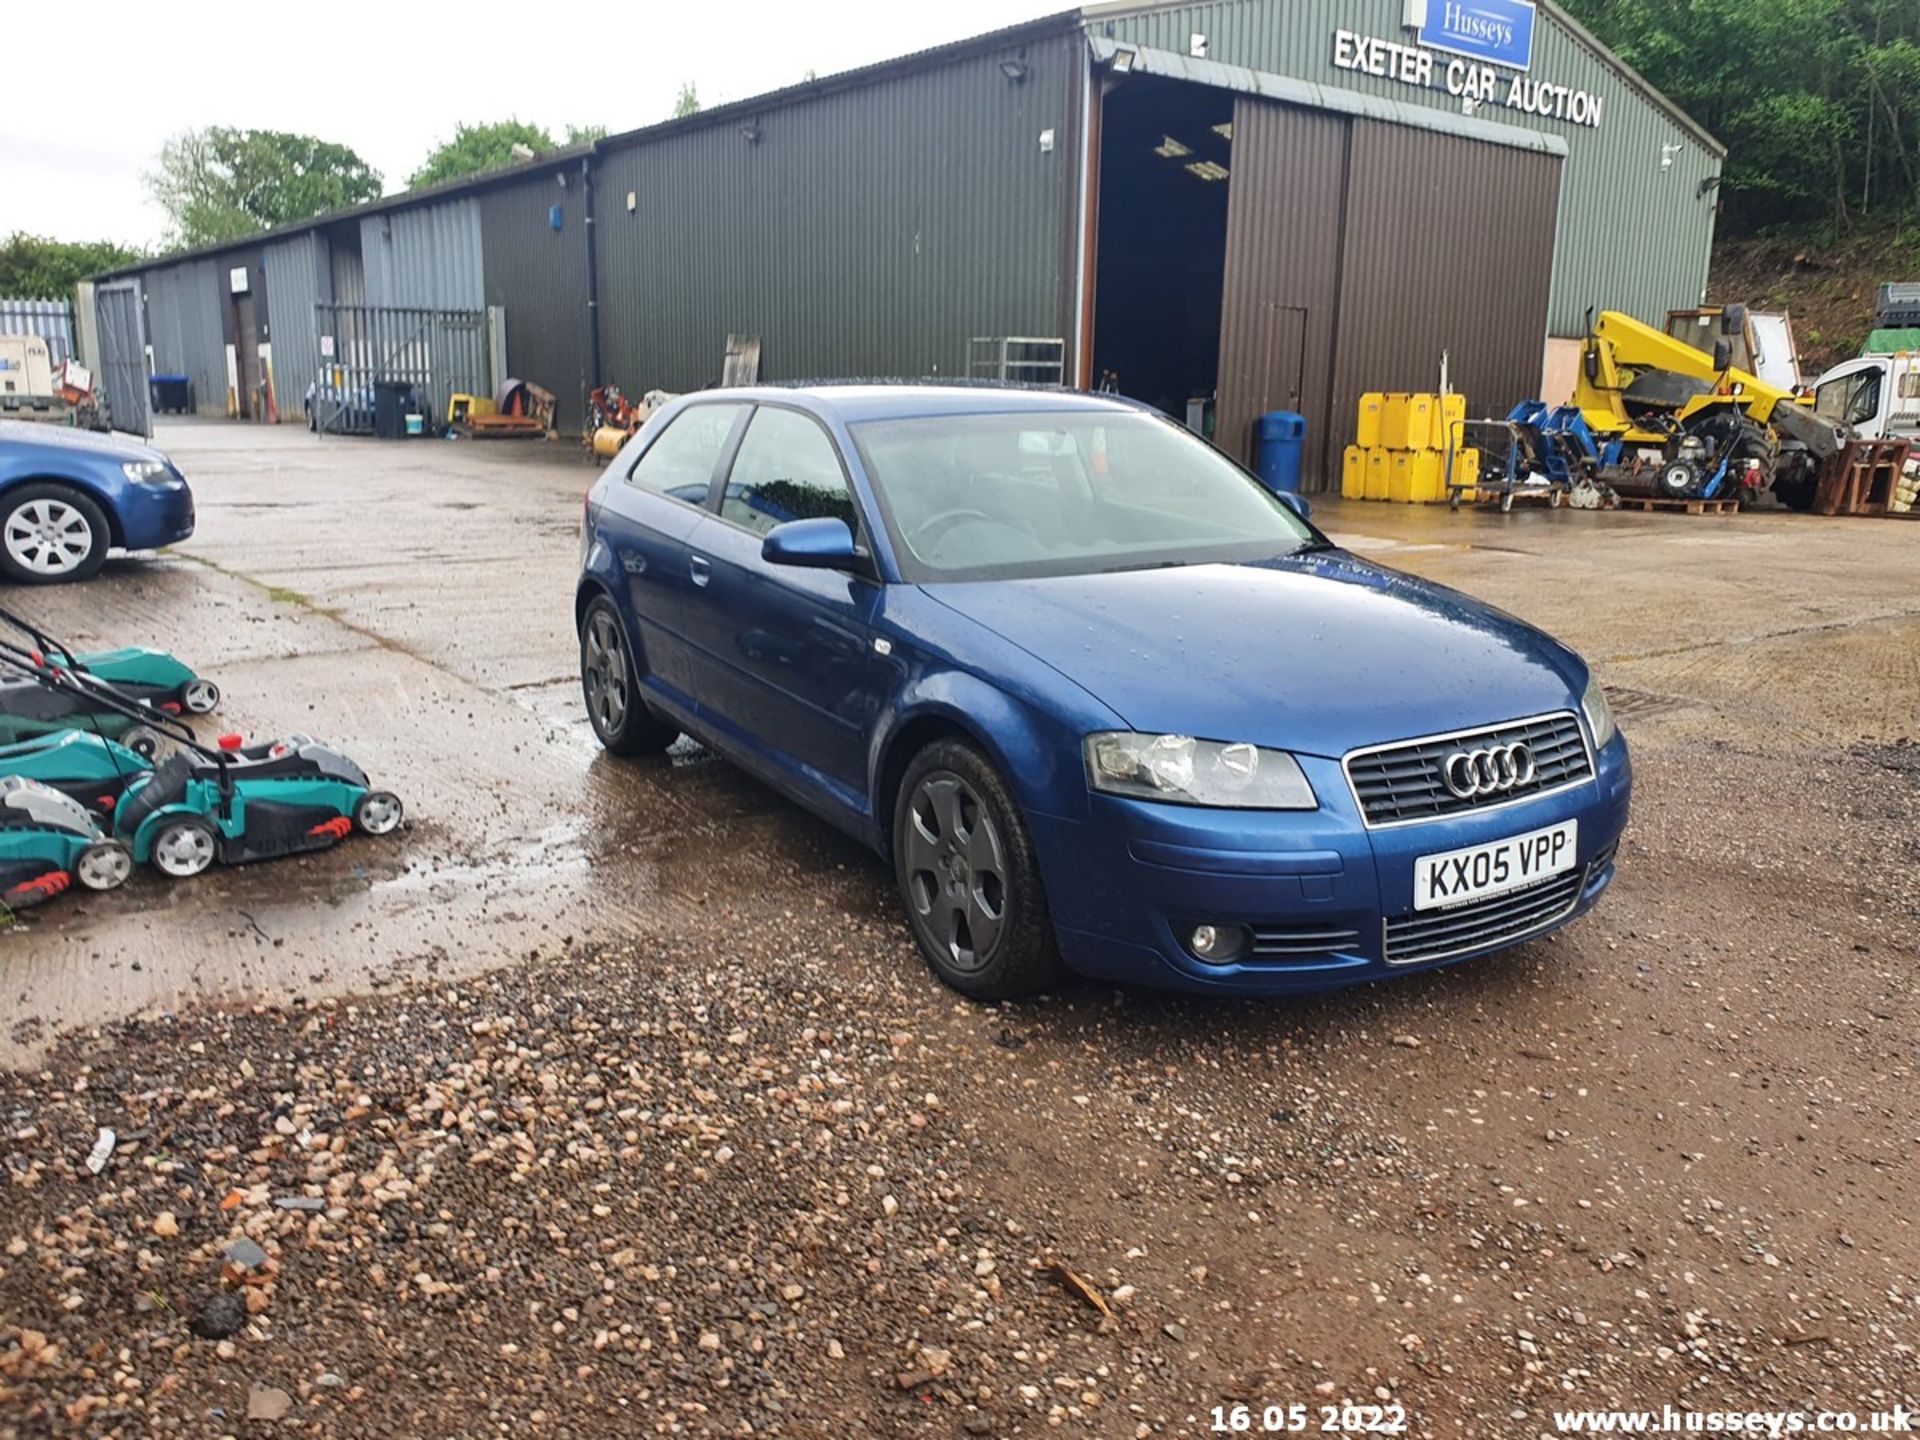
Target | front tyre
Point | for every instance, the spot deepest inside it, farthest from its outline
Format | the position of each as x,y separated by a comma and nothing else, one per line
50,533
967,873
379,812
610,683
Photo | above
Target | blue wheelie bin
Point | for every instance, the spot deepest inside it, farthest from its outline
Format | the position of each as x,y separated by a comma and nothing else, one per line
1279,437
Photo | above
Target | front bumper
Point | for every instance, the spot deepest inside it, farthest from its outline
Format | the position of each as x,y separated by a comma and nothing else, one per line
154,515
1329,901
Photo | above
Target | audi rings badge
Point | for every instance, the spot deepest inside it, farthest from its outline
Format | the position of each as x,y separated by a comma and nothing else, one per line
1494,770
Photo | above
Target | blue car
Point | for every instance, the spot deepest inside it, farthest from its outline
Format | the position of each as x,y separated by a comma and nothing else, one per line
1100,698
68,496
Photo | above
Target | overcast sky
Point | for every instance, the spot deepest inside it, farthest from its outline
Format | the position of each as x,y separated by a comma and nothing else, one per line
86,107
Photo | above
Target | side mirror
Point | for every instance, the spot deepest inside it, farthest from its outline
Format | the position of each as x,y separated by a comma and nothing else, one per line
1722,354
1296,503
823,543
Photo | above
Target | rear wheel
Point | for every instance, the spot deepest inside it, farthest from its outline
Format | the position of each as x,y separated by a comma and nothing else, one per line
143,741
610,681
104,865
200,697
966,870
184,848
50,533
1678,480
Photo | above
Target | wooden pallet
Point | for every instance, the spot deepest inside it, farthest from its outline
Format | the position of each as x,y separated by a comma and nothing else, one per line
1691,507
1861,478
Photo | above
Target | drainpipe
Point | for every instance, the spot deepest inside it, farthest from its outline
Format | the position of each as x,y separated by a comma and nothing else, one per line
593,277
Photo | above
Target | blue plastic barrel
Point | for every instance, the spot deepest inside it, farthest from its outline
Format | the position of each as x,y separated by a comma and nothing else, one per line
1279,437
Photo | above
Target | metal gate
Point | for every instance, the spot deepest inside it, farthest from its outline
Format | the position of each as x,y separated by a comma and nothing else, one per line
363,349
122,380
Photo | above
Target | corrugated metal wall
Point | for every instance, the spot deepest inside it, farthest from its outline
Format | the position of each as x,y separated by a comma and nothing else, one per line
1633,236
540,276
298,274
430,257
868,231
1285,204
50,320
186,326
1448,283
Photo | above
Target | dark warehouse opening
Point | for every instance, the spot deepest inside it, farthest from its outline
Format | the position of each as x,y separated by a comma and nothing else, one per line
1165,160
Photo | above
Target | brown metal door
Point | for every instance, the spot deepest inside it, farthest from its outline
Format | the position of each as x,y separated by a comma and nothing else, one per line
1284,220
1432,265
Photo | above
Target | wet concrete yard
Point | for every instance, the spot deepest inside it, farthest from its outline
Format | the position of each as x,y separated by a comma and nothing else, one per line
1668,1153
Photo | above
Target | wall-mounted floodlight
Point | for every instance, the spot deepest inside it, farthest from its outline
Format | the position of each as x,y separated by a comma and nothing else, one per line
1123,59
1667,152
1015,71
750,133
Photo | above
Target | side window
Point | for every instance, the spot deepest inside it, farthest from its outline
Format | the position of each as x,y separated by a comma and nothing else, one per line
1832,400
787,469
680,462
1865,403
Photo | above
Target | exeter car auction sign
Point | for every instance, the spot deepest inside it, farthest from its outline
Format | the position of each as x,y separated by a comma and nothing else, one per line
1484,43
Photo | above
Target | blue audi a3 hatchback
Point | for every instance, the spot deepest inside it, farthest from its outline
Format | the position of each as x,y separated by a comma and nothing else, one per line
68,496
1098,697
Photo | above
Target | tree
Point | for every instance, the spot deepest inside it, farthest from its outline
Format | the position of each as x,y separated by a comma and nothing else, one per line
688,101
221,183
1817,101
582,134
476,148
35,267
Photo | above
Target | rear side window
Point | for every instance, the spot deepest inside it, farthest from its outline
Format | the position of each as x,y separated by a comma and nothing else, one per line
680,462
787,469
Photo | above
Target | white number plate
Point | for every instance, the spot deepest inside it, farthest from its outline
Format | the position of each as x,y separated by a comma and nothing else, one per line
1481,871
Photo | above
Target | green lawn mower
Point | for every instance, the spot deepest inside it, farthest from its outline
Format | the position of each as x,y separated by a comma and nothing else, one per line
49,843
231,803
153,676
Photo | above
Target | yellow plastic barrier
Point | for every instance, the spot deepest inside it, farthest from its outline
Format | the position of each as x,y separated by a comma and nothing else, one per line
1379,468
1353,473
1393,420
1367,435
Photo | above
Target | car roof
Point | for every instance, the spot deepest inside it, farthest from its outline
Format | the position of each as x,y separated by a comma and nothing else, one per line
852,401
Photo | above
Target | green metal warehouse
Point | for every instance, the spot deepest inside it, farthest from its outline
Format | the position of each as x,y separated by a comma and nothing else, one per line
1265,204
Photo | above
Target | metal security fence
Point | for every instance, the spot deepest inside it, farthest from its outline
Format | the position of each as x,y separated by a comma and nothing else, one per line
365,350
51,320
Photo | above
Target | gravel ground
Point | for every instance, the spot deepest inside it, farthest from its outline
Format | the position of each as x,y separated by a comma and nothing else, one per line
738,1166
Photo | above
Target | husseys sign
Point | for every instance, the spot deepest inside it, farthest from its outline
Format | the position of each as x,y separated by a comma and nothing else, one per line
1471,49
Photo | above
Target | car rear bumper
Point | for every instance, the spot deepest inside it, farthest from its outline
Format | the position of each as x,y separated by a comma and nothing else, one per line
152,516
1325,901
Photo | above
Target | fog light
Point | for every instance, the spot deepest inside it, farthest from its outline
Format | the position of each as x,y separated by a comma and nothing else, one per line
1218,944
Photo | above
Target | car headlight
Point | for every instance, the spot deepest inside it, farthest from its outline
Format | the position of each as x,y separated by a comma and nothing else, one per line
146,472
1185,771
1599,718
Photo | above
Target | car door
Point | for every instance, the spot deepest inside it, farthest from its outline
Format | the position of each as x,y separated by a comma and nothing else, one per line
786,658
646,521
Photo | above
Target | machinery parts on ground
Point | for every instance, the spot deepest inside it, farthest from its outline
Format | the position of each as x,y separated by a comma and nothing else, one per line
613,419
1655,416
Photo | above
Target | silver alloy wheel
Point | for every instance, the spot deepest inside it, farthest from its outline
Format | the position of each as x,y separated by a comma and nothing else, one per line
956,868
183,850
45,536
104,866
605,673
378,812
201,697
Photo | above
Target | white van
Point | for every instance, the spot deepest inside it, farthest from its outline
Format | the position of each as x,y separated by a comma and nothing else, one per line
1877,396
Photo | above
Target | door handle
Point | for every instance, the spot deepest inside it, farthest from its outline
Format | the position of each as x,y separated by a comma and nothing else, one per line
700,569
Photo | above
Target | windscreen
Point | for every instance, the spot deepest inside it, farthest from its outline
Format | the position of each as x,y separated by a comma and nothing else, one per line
1049,492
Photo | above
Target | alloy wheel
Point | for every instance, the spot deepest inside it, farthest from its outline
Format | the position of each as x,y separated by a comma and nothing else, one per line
48,537
605,673
956,868
104,866
379,812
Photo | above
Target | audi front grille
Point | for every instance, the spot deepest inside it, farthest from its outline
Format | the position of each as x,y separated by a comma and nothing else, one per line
1406,781
1479,924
